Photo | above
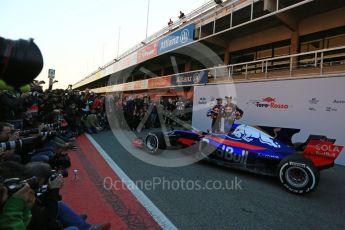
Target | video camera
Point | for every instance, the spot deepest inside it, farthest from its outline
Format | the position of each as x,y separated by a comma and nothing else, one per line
15,184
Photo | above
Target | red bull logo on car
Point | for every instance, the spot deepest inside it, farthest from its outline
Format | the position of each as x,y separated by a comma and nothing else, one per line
248,134
228,153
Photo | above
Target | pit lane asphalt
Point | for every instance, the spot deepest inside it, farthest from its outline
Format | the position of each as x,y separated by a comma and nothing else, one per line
261,203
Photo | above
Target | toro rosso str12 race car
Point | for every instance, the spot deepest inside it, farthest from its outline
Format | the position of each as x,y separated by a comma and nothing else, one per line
259,149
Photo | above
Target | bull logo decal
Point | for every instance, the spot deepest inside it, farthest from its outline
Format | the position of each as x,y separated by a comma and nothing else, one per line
248,134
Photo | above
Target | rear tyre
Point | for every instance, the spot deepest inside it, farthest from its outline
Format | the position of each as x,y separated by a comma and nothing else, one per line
298,174
155,143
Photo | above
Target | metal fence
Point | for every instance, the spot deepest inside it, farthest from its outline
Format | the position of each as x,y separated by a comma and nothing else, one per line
310,64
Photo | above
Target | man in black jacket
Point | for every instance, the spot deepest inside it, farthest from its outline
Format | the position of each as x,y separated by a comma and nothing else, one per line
45,209
49,212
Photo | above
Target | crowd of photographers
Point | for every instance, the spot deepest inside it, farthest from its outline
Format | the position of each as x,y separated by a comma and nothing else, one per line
142,112
36,130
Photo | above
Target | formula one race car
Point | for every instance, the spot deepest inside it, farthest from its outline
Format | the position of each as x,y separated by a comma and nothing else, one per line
260,149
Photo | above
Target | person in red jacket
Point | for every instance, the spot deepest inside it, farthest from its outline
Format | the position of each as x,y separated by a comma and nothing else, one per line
97,104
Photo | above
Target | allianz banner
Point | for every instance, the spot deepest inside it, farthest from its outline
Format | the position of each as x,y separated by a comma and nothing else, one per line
178,38
200,77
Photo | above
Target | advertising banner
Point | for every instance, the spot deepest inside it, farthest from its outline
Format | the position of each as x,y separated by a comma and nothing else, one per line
124,63
159,82
314,105
147,52
178,38
141,84
128,61
108,70
135,85
200,77
115,88
128,86
95,77
116,67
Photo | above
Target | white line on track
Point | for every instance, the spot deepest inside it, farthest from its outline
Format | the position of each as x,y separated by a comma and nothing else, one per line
157,214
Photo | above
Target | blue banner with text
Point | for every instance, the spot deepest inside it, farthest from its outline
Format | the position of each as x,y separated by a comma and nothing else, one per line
200,77
179,38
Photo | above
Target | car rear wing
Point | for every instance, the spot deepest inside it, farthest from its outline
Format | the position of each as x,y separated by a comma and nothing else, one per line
322,151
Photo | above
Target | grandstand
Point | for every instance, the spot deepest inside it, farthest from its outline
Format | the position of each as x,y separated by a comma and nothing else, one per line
236,42
255,39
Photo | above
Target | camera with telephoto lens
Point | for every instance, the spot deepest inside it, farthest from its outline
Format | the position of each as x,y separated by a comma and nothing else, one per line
17,144
50,129
28,132
20,61
15,184
27,142
48,134
51,126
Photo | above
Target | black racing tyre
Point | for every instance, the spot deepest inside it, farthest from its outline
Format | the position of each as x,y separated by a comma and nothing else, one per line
298,174
155,142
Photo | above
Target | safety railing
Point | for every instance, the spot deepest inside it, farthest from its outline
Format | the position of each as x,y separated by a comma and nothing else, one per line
310,64
313,63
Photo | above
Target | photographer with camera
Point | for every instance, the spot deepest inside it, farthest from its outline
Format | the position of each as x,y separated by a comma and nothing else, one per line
7,134
15,148
45,209
35,146
49,211
25,140
15,212
91,123
16,197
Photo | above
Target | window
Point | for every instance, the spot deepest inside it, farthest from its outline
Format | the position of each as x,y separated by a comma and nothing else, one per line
311,46
264,54
335,41
281,51
245,57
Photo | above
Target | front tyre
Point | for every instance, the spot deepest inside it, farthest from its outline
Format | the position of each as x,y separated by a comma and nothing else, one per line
298,174
154,142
